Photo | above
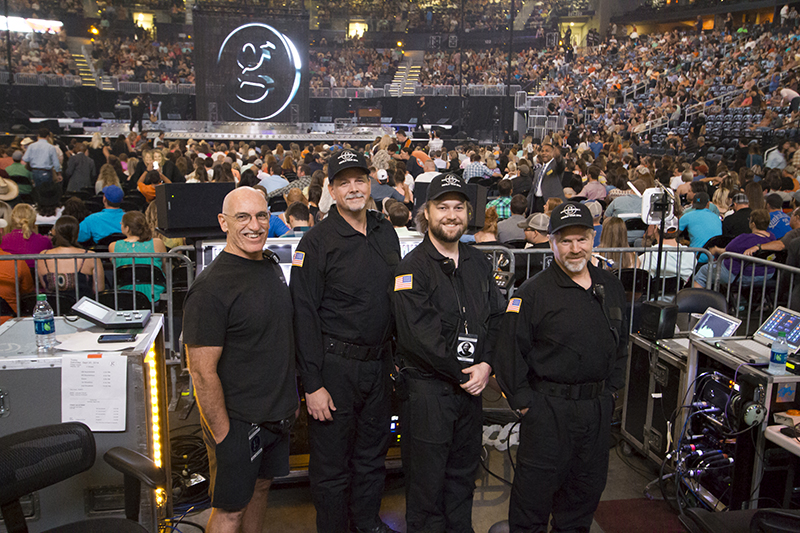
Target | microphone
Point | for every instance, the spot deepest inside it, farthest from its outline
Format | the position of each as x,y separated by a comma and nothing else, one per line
448,266
609,262
599,292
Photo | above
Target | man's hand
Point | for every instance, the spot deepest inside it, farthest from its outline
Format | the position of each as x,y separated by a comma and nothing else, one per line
751,250
478,378
59,177
219,436
320,404
524,411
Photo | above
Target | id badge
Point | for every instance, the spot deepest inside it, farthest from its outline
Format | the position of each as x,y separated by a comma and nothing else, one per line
466,348
254,437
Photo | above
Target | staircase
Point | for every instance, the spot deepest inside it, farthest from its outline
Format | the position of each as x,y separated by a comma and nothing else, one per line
407,76
84,69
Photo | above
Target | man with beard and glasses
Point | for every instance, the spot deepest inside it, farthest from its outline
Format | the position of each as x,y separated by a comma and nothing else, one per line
560,358
448,311
341,275
237,326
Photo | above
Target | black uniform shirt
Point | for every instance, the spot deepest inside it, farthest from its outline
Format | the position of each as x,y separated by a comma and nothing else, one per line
340,282
427,311
245,307
555,330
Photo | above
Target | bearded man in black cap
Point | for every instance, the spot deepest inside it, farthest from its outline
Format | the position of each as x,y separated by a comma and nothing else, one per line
342,272
448,311
560,358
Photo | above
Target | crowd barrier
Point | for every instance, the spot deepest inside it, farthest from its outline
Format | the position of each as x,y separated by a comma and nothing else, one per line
751,296
175,275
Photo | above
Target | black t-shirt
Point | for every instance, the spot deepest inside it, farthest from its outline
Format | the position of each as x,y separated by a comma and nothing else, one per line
245,307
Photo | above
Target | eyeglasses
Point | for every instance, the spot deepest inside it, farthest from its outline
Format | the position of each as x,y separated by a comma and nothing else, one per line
244,218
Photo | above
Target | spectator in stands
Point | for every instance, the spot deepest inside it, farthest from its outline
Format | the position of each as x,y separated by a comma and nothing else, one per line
615,235
98,151
42,159
729,269
148,182
674,261
776,158
782,243
400,216
383,186
701,224
509,230
151,215
24,177
75,208
755,196
167,167
139,239
594,190
80,171
22,238
270,178
503,203
431,171
488,233
106,177
629,203
12,274
67,274
99,225
739,221
476,169
298,218
778,220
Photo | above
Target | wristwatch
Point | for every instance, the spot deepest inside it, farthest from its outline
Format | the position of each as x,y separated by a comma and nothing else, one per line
759,247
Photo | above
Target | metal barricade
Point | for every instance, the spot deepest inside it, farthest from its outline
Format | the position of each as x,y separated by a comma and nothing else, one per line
172,263
128,86
22,78
756,289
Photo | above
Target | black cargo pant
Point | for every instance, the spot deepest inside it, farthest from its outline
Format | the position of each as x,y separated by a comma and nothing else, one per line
347,455
562,464
441,449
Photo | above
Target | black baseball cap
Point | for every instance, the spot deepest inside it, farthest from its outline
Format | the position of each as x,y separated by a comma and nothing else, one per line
346,159
445,183
701,200
570,214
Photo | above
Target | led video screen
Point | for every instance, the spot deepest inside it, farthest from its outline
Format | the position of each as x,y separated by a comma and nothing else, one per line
249,69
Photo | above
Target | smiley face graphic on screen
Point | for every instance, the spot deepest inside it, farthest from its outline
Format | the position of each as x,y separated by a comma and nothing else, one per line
263,69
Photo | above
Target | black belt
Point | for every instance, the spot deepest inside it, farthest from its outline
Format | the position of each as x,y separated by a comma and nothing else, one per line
433,386
42,169
580,391
279,428
353,351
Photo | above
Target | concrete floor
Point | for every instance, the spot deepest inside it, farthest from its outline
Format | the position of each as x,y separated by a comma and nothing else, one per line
290,509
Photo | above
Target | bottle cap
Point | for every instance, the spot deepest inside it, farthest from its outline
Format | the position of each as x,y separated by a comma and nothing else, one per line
41,297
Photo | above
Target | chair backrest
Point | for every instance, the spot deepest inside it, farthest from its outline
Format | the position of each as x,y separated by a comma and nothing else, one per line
694,300
140,273
776,521
126,300
36,458
61,303
634,279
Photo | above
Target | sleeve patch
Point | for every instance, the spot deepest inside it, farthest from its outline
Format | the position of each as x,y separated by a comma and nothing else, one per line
298,258
404,282
514,305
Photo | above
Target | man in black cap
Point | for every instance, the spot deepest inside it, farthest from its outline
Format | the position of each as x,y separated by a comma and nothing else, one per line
560,358
342,272
448,311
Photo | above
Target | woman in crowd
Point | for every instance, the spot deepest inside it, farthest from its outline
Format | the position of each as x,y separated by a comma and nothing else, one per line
66,274
106,177
23,239
98,152
75,207
147,184
615,235
139,239
151,215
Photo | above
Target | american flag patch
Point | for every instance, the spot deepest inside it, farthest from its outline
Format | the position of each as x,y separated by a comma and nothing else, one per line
298,258
403,282
513,305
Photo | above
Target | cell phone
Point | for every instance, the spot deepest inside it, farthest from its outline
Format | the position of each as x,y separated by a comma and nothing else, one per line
155,165
116,337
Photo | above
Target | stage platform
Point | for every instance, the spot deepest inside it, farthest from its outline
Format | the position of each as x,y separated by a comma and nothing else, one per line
342,130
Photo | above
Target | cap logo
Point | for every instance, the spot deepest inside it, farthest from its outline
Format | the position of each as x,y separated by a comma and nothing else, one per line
570,211
451,181
347,157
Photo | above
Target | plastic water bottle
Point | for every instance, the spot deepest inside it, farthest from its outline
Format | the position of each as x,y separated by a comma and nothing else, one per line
44,324
778,355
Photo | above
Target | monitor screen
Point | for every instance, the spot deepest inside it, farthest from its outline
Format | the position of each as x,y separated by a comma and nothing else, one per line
784,320
713,324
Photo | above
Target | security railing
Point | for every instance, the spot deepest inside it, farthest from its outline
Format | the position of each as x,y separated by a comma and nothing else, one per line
47,80
759,286
142,275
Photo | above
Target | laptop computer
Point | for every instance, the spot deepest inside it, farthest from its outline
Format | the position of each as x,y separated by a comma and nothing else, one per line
713,324
757,350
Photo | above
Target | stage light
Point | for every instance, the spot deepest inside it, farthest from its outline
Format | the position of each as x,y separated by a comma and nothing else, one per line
400,44
93,30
